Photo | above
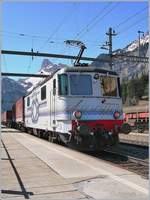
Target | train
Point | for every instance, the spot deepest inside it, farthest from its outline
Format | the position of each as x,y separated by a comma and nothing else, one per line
78,106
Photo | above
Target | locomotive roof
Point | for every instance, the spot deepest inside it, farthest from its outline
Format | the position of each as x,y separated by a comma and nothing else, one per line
74,69
88,69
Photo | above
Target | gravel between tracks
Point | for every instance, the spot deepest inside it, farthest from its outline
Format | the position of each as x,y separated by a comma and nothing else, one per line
131,157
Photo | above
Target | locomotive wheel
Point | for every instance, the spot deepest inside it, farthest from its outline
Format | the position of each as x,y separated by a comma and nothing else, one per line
50,137
29,130
39,134
59,139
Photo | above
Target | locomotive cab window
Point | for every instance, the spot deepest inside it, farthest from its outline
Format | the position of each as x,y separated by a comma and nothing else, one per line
28,101
108,86
63,84
43,92
80,84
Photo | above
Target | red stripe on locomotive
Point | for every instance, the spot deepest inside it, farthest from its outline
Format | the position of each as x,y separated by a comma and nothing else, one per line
106,124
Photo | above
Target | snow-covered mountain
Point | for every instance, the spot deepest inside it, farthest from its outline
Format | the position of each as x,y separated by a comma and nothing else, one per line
47,68
11,91
134,45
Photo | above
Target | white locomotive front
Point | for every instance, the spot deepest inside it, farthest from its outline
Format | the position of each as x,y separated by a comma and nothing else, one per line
79,106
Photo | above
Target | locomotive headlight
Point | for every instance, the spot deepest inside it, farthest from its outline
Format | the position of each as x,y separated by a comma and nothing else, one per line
77,114
96,76
116,115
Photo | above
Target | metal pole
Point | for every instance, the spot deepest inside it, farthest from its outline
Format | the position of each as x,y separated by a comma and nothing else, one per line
110,47
139,38
110,33
139,41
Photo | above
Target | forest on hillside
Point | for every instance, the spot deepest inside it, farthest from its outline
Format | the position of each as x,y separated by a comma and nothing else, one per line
135,90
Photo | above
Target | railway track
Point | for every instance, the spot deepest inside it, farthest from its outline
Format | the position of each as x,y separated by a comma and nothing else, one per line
138,166
131,157
133,150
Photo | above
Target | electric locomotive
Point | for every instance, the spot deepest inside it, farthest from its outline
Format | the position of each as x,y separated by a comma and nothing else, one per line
79,106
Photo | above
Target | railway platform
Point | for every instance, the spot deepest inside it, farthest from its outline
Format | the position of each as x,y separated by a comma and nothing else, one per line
135,138
32,168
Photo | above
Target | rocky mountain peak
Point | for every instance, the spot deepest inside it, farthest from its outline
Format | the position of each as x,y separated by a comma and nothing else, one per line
45,63
47,67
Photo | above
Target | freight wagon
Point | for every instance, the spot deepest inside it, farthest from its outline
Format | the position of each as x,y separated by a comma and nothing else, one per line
18,114
7,118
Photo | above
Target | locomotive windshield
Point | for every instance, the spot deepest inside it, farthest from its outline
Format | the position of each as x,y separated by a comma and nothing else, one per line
109,86
63,84
80,84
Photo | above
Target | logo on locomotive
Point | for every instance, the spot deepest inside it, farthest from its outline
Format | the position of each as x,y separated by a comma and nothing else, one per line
35,110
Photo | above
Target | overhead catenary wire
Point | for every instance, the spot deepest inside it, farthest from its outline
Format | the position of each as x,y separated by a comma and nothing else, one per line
52,34
19,34
130,17
93,25
13,34
131,26
22,35
60,24
58,27
59,41
85,29
93,19
36,37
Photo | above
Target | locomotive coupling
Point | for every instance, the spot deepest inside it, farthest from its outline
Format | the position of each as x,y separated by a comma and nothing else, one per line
125,128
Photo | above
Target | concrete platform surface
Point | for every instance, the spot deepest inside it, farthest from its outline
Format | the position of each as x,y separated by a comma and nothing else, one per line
33,168
135,138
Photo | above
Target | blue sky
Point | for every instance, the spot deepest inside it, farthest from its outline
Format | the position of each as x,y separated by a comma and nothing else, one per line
46,25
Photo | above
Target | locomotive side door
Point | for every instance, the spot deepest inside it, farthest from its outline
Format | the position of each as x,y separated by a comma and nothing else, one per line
53,105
